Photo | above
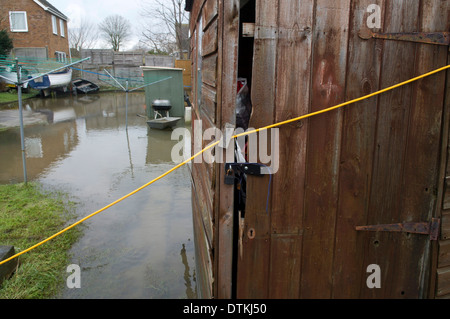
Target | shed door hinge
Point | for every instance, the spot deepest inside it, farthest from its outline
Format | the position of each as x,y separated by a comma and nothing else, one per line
424,228
439,38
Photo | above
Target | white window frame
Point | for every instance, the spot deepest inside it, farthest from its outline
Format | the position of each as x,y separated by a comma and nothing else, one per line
11,21
61,28
54,25
61,56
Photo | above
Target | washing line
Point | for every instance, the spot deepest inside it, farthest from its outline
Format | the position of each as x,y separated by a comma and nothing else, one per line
213,144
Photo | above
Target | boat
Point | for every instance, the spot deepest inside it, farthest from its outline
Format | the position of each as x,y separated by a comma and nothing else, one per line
51,81
61,78
161,122
8,75
84,86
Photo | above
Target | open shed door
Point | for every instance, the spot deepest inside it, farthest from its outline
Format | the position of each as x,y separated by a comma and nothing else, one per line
358,186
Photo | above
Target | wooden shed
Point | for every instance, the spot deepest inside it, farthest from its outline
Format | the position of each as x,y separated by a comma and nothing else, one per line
382,163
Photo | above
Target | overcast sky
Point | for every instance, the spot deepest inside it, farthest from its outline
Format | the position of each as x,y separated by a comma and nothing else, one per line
96,10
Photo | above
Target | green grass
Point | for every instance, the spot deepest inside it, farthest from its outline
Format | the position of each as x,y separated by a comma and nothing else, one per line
29,215
12,96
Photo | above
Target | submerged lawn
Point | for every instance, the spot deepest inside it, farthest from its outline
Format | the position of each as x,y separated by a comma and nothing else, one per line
27,216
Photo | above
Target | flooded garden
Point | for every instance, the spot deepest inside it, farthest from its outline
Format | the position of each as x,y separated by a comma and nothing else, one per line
90,148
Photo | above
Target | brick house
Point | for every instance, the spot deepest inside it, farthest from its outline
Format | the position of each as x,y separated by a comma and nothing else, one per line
36,24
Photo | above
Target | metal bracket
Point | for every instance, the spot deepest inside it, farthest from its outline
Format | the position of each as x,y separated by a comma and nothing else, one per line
424,228
245,168
439,38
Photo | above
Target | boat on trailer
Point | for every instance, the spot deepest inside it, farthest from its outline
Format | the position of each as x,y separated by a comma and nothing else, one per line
52,81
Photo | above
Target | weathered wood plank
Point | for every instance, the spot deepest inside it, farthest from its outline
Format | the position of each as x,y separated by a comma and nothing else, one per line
202,186
264,66
446,201
444,253
443,169
204,272
445,226
363,72
285,259
448,164
209,102
323,150
194,74
227,64
195,14
443,281
255,259
388,183
294,44
209,70
209,12
208,157
421,169
202,174
205,71
202,204
209,40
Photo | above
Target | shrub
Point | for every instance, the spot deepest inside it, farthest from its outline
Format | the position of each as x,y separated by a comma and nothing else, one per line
6,43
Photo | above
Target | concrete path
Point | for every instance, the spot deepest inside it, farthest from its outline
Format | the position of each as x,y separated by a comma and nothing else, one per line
10,118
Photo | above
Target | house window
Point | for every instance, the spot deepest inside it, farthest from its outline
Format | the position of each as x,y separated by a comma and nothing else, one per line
61,27
18,21
54,25
61,56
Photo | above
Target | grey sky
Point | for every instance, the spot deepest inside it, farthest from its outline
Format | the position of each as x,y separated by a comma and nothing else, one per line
96,10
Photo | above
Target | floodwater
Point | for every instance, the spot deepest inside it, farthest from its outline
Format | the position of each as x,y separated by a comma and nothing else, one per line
141,248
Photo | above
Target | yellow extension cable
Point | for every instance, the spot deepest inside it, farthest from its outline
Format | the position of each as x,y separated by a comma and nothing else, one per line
217,142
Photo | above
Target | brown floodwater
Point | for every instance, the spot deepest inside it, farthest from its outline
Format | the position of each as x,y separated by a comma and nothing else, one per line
140,248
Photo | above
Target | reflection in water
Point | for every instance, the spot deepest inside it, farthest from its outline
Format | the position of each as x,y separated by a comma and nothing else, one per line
129,154
187,275
132,250
33,145
43,145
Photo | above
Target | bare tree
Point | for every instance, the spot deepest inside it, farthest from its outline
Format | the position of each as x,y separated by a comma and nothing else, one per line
115,30
167,30
159,42
84,36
